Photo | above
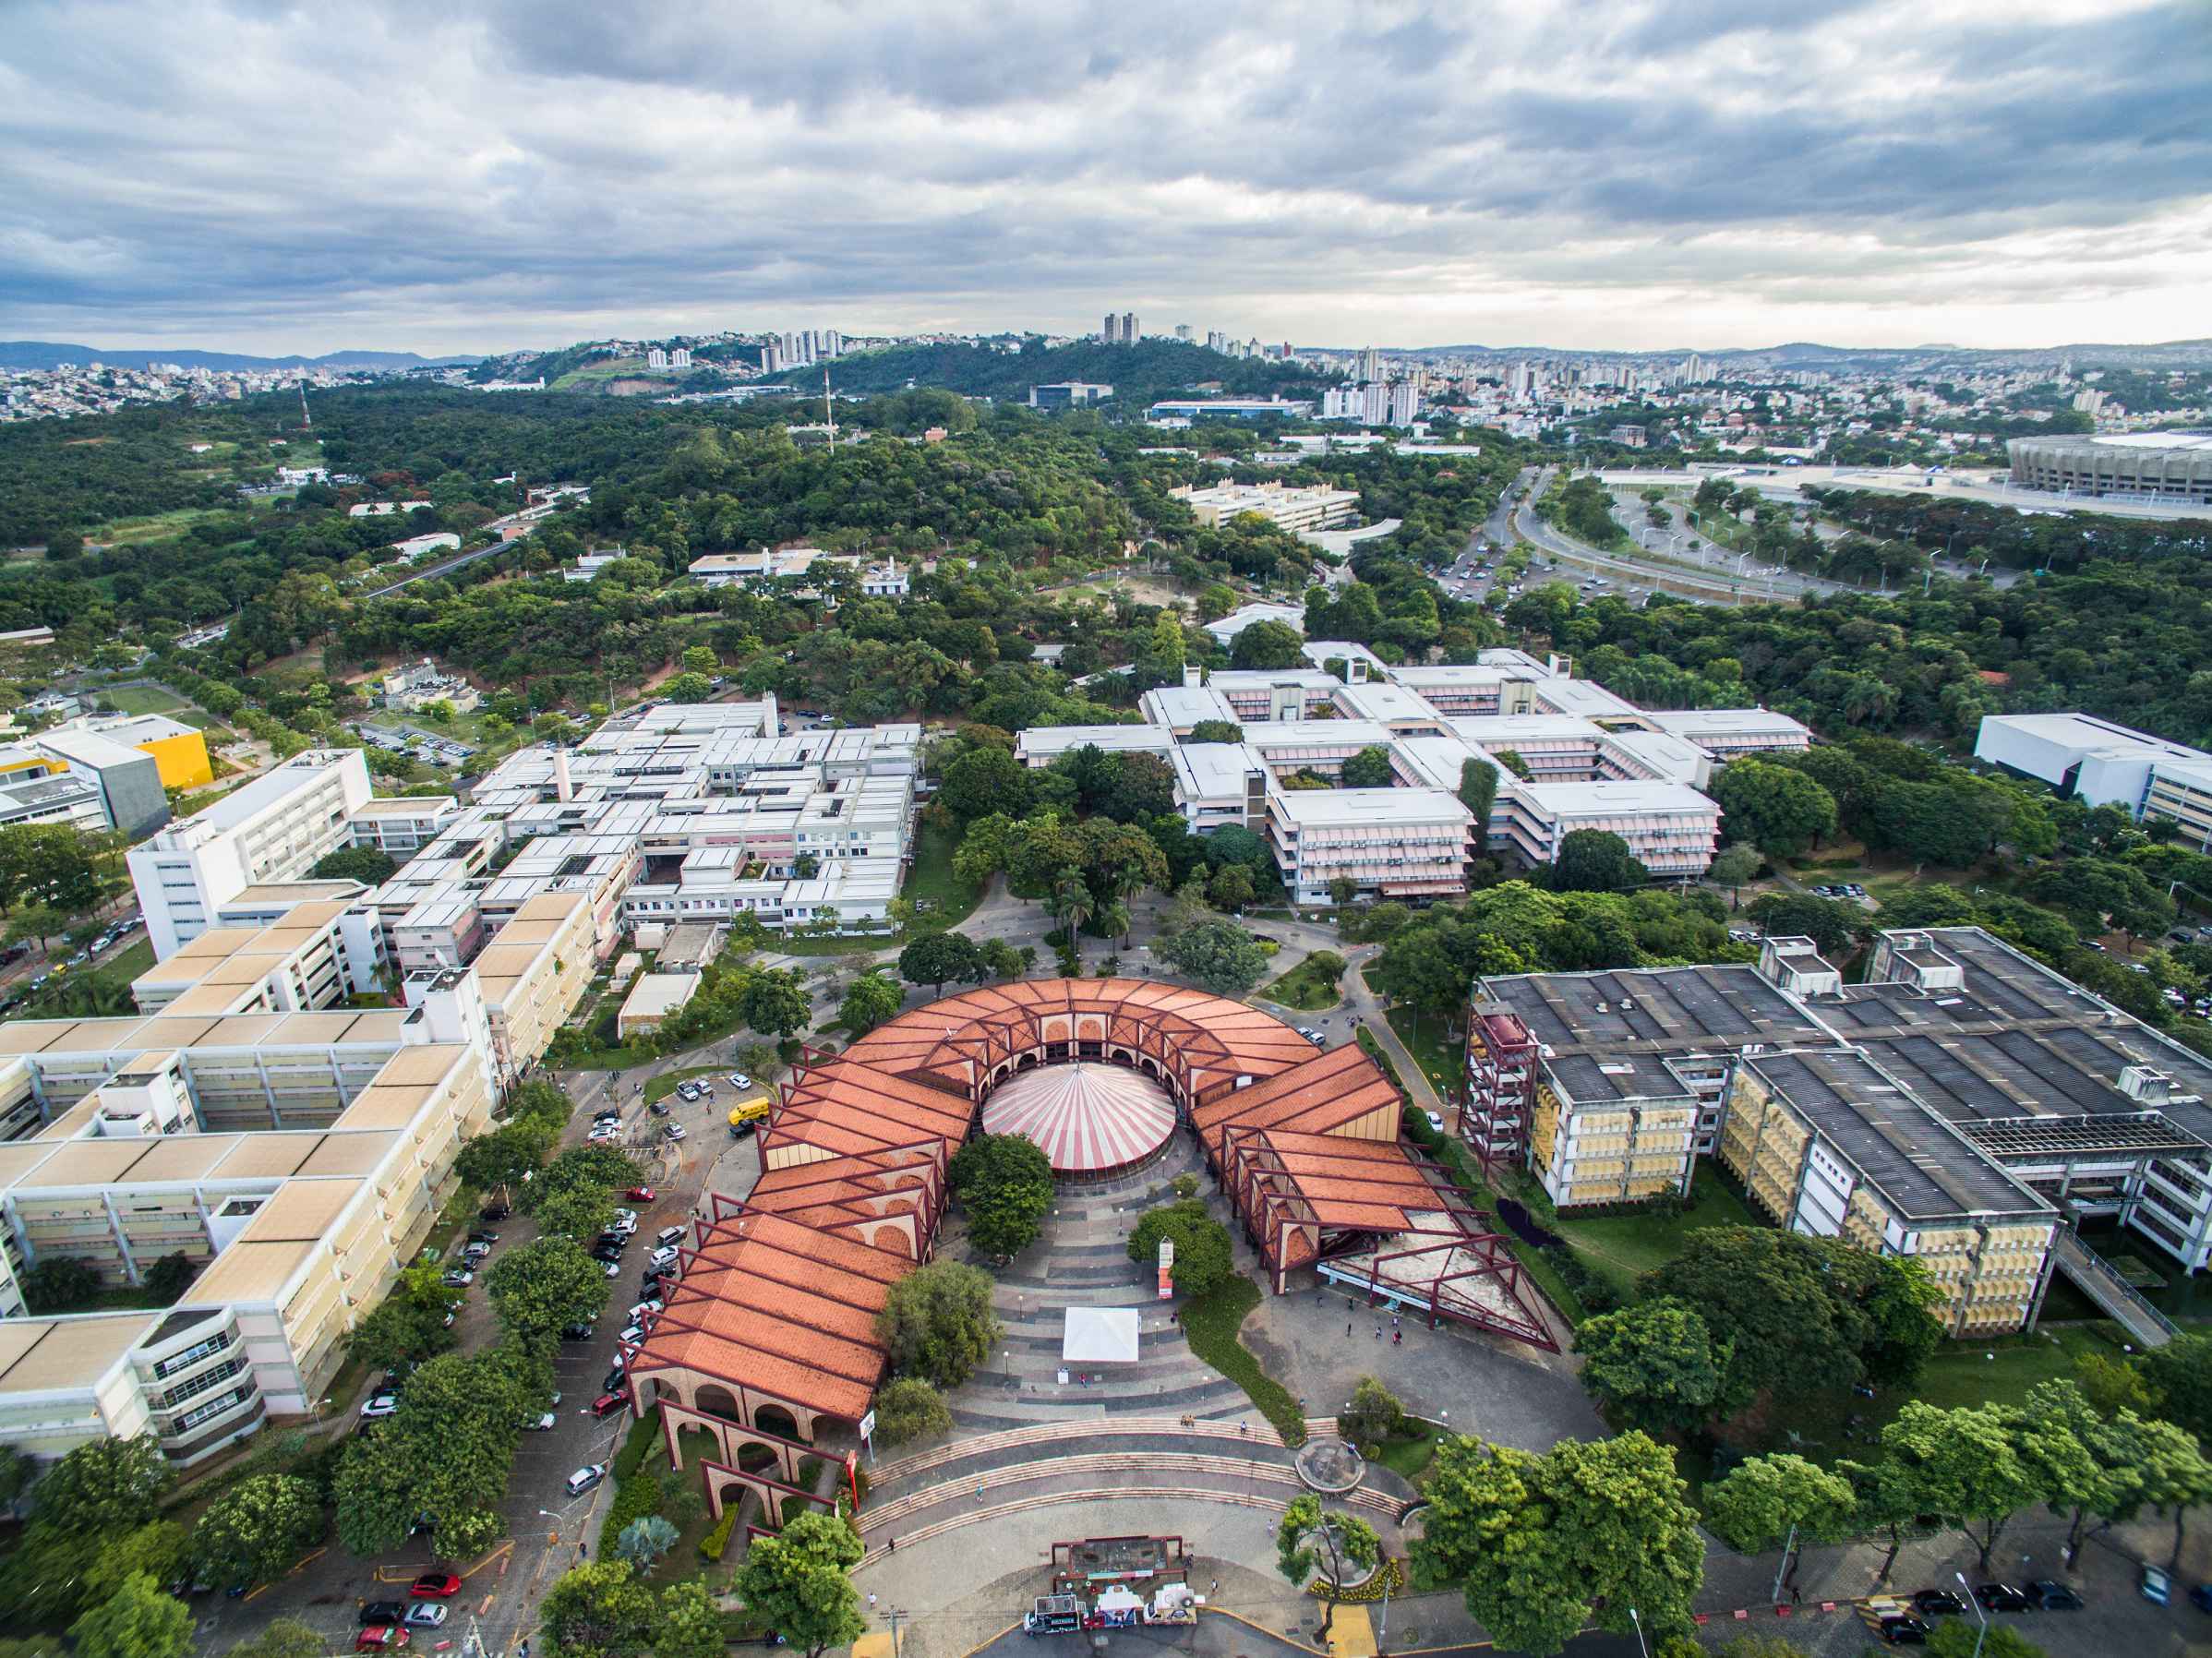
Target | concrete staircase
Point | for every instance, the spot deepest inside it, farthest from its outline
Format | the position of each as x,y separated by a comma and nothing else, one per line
2101,1283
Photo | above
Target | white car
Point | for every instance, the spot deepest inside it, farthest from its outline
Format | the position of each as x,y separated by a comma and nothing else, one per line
673,1132
427,1614
631,1334
379,1404
584,1478
614,1269
644,1309
600,1136
1435,1121
660,1257
543,1423
737,1079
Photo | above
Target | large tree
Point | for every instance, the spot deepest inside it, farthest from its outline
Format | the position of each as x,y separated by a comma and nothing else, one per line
983,781
258,1529
1797,1314
138,1621
1267,645
1369,768
1979,1465
1597,861
939,958
909,1408
446,1452
539,1288
1780,1500
1203,1258
105,1486
870,1001
1540,1545
1778,809
599,1610
1221,955
1004,1183
937,1323
1652,1365
798,1582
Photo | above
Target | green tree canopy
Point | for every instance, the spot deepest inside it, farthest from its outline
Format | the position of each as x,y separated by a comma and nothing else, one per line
939,958
1203,1258
1652,1365
138,1621
1369,768
1540,1545
258,1529
1778,809
937,1323
539,1288
798,1582
909,1408
1221,955
1004,1183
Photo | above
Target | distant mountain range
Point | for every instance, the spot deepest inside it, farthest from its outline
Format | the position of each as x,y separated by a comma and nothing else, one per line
46,353
1807,354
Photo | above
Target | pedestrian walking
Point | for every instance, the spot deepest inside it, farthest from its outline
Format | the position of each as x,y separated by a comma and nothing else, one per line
1398,1337
871,1602
979,1490
1378,1332
1347,1326
890,1548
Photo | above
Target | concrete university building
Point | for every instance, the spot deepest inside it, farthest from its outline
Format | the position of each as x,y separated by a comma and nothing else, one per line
294,1149
1593,760
1964,1106
2106,764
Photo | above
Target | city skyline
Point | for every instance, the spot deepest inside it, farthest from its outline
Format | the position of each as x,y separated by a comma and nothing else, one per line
480,178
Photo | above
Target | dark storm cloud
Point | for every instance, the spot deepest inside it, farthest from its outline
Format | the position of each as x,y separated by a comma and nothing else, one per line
458,170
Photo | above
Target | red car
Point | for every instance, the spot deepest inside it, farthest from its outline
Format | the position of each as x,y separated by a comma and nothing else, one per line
436,1585
606,1404
380,1637
639,1194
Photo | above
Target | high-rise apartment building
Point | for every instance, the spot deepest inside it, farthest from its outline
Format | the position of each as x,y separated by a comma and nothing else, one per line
657,358
1131,333
1110,333
680,357
1370,365
1182,332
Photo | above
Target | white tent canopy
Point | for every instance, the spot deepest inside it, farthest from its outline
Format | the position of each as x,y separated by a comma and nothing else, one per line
1100,1336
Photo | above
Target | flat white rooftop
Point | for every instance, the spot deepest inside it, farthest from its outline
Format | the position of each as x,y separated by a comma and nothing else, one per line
1381,810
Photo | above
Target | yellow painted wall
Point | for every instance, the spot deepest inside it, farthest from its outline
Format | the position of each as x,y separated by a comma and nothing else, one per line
182,760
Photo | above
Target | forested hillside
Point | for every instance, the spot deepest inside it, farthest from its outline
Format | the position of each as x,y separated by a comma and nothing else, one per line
1138,374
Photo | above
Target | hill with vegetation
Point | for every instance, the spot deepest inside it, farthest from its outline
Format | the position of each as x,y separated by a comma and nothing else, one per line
1138,374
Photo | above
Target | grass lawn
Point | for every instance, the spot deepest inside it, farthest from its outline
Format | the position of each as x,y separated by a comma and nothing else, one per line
1211,1323
951,899
1305,987
1426,1041
143,699
1406,1457
1624,1246
661,1086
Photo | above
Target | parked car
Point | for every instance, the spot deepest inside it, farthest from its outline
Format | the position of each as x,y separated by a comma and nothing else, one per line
2000,1597
663,1256
484,1237
737,1079
379,1404
614,1381
1903,1630
1929,1603
457,1278
492,1212
639,1194
2155,1585
660,1108
584,1478
428,1615
606,1404
381,1638
575,1332
383,1611
1435,1121
673,1132
669,1234
542,1422
2051,1596
652,1303
435,1585
632,1333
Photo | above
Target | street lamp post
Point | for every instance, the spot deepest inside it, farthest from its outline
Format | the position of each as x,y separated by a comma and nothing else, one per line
1638,1621
1974,1602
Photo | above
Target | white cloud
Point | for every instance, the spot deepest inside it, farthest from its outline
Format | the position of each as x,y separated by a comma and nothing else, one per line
476,173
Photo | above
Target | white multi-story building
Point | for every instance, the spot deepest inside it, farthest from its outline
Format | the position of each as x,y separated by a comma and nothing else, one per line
2106,764
1317,508
274,828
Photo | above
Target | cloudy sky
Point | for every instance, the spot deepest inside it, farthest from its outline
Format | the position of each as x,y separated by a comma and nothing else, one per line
481,175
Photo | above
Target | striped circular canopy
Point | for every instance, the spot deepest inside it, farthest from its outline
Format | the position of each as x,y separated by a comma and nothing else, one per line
1087,1119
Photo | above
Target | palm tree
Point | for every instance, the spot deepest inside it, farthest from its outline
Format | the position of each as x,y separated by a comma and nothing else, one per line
1073,904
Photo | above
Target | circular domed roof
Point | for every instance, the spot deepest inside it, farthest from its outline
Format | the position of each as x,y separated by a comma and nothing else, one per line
1087,1119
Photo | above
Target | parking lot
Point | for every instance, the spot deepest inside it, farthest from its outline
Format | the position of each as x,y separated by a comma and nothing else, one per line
549,1529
